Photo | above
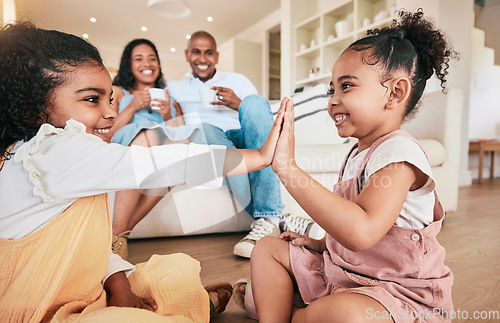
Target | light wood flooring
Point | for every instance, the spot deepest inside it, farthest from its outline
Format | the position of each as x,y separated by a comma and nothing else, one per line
471,237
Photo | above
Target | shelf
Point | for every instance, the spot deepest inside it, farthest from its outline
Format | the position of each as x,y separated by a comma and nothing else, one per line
377,24
309,52
343,41
315,79
274,76
338,6
318,22
310,23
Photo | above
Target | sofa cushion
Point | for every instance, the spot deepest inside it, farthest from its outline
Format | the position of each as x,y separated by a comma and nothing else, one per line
435,151
315,159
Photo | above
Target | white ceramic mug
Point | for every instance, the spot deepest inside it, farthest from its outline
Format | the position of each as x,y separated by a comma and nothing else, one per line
207,95
343,27
156,93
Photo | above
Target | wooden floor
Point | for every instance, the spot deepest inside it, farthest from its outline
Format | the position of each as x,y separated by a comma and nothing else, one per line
471,237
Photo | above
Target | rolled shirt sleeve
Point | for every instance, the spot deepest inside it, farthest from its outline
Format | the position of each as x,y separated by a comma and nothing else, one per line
117,264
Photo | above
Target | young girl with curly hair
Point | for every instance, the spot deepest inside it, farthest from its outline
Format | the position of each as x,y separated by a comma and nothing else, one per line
56,165
380,259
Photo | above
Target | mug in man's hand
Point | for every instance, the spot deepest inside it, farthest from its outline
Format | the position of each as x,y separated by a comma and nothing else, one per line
207,95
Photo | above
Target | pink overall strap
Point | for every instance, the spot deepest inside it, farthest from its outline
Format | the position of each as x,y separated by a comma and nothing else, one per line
341,173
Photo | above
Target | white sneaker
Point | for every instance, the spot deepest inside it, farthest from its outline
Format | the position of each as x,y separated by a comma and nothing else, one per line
260,228
306,227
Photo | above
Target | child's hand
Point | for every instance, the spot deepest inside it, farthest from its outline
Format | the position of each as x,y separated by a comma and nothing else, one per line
129,299
284,156
301,240
269,146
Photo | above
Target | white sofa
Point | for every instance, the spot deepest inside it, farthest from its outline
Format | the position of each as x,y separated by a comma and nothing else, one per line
320,152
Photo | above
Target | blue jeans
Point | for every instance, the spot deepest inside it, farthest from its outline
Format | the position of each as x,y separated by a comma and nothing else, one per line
259,191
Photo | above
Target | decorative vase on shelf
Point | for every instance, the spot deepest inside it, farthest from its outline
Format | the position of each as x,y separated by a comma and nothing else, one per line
343,27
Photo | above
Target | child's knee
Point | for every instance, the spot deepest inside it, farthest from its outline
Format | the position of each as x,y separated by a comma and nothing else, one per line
269,246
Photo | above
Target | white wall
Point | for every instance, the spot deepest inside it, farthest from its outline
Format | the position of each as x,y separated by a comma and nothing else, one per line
485,94
242,56
231,52
484,100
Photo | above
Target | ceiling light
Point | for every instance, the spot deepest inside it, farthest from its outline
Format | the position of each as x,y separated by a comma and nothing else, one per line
92,19
170,8
172,49
144,28
85,36
210,19
188,36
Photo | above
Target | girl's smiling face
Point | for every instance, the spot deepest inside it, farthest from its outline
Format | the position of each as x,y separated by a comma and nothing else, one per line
358,98
144,65
85,96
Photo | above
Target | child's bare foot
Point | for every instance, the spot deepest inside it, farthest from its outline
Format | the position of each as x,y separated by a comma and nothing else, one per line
242,289
244,298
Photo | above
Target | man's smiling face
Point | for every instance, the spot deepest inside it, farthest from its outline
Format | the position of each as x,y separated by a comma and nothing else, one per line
202,56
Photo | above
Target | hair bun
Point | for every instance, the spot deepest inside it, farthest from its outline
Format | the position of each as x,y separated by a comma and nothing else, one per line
399,34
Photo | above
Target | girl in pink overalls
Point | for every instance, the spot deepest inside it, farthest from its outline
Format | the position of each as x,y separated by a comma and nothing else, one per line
380,259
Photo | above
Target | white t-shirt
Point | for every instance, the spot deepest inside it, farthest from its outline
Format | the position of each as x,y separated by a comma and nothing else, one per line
186,91
418,208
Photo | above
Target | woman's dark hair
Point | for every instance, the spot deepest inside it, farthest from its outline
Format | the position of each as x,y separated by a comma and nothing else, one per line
124,78
412,44
33,62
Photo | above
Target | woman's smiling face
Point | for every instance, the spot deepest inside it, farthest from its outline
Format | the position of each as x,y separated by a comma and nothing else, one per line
144,65
85,96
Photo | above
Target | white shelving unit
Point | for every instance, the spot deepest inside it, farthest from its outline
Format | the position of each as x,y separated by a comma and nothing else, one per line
316,44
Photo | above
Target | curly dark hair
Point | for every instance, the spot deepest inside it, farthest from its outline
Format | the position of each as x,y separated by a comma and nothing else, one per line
412,44
33,62
124,78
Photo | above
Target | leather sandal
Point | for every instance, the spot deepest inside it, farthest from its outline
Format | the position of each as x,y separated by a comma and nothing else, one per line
223,297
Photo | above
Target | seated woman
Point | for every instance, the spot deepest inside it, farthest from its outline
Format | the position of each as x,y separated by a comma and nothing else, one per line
141,121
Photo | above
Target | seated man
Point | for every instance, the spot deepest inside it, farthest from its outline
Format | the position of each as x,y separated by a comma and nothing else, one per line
240,118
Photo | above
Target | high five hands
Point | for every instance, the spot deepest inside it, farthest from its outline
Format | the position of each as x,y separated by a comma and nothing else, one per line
284,155
283,163
279,148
